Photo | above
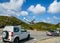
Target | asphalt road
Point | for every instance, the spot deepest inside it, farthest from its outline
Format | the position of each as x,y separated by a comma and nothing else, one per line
51,40
35,36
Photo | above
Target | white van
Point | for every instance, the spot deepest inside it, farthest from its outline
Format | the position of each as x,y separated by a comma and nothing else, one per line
14,34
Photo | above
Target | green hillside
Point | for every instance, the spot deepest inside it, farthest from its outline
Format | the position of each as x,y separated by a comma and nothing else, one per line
9,20
44,26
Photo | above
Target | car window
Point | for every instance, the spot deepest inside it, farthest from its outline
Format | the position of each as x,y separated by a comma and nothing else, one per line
51,31
16,29
23,30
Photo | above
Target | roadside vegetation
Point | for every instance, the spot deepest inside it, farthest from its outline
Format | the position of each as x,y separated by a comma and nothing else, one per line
9,20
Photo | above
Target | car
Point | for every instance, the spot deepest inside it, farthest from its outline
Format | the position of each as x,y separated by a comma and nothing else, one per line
14,33
53,33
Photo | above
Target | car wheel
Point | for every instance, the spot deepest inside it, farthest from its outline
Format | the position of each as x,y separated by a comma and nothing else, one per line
5,35
28,36
16,40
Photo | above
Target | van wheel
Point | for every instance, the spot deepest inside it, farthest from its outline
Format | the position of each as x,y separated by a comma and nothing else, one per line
16,40
28,36
5,34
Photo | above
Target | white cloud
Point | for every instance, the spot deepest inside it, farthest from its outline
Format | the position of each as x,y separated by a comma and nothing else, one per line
33,17
36,9
56,18
44,21
47,21
36,21
24,13
48,18
13,4
12,8
54,7
24,18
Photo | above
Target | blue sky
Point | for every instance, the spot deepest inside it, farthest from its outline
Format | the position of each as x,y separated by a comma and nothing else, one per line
41,10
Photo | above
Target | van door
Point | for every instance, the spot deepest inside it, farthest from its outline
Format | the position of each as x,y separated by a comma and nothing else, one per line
23,33
16,31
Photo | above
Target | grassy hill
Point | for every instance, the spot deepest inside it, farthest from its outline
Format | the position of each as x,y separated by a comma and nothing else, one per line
9,20
44,26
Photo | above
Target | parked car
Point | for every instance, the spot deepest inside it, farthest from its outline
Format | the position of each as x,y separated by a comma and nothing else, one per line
53,33
14,34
